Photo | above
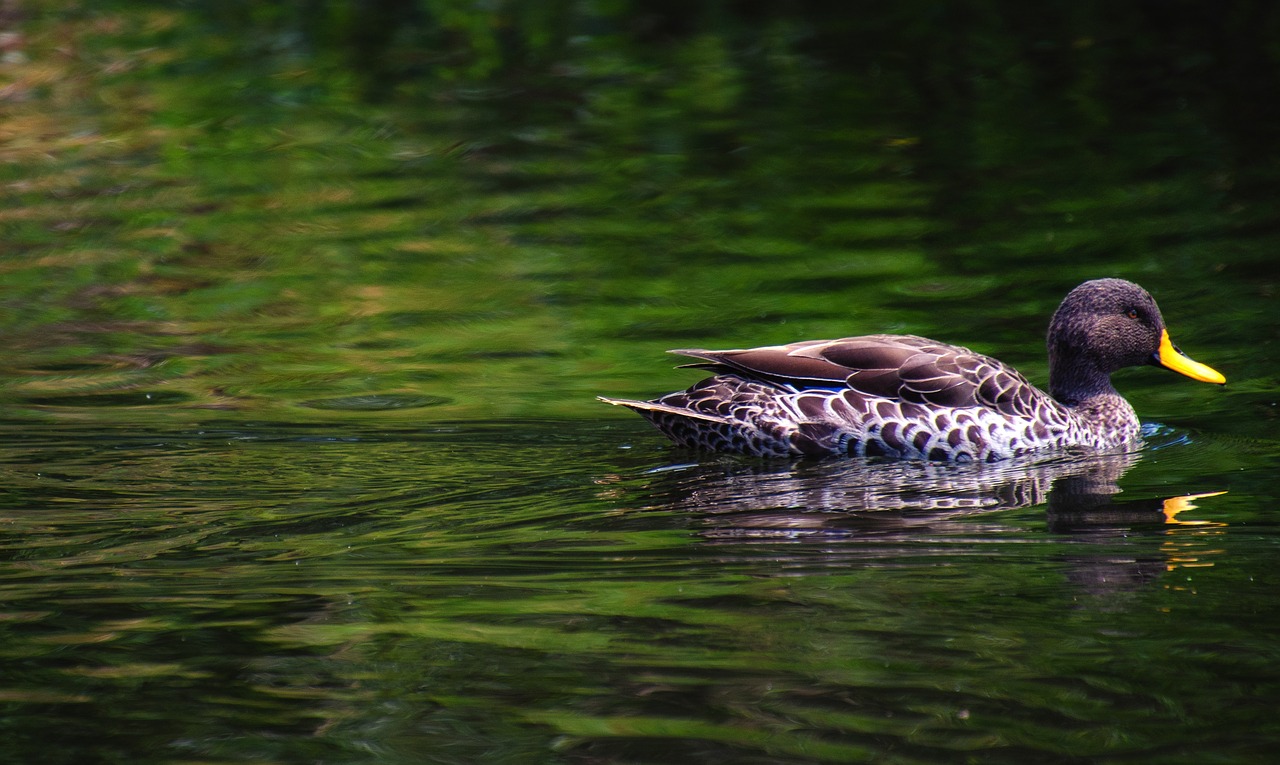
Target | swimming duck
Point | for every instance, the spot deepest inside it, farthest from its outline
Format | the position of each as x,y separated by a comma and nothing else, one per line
911,397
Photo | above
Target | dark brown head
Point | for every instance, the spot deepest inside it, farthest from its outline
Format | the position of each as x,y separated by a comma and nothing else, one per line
1105,325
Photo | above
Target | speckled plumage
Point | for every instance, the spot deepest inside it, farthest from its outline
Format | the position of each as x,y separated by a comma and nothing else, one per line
911,397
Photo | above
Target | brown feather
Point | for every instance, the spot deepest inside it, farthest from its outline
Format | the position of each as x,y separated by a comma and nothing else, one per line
899,367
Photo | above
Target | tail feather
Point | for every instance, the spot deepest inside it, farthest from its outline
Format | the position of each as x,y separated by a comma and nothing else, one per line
711,431
644,407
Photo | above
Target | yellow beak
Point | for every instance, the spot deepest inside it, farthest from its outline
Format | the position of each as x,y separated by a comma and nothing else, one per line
1170,357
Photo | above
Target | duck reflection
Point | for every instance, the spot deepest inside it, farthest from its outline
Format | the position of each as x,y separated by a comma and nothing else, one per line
915,503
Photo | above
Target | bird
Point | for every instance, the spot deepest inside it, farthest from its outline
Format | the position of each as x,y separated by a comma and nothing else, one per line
909,397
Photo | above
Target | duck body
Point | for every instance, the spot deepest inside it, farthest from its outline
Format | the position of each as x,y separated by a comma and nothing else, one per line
910,397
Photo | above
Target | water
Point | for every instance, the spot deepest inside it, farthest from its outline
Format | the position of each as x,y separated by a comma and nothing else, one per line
301,458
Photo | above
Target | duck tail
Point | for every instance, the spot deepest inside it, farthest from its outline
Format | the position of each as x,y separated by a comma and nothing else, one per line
651,409
689,427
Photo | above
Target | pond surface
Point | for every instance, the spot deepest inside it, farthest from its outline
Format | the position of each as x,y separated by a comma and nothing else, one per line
300,459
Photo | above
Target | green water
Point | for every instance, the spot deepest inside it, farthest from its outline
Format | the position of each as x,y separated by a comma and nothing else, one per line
300,459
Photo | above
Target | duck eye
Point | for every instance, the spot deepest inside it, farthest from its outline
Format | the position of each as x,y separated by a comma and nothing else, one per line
1132,313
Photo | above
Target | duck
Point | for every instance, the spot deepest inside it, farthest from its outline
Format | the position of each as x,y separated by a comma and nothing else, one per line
909,397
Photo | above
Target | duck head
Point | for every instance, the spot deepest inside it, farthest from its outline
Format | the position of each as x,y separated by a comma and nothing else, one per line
1105,325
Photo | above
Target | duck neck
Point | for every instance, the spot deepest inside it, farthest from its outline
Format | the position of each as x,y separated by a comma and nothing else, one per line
1076,381
1087,394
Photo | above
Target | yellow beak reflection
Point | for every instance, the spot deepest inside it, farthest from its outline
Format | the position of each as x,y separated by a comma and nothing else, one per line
1175,505
1170,357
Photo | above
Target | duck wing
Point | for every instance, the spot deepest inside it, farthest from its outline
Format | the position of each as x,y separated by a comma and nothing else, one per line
901,367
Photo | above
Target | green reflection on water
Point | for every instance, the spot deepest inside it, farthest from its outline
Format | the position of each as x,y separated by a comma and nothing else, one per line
300,449
209,241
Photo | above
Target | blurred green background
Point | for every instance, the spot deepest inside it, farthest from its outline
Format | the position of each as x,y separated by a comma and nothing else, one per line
304,307
503,208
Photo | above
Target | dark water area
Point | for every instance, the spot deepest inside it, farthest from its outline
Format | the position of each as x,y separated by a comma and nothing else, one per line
304,310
